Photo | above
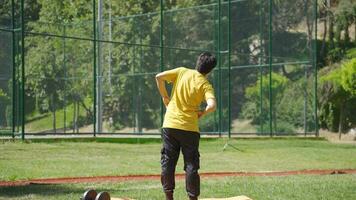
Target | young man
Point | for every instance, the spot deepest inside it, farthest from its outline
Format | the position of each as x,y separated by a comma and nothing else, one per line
180,129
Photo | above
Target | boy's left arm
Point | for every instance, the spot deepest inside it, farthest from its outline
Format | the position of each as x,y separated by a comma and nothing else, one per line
210,100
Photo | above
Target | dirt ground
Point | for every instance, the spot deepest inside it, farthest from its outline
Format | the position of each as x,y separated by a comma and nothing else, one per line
346,138
68,180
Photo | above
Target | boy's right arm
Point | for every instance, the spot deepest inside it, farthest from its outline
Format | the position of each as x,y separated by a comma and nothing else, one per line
169,76
162,88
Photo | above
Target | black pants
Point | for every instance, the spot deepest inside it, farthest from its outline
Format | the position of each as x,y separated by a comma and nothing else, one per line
173,141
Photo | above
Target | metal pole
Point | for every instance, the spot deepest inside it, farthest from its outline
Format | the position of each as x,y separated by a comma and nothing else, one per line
65,80
139,100
161,49
99,113
13,67
305,99
170,41
219,63
270,67
134,89
94,70
229,65
18,92
316,69
261,68
215,49
23,70
110,49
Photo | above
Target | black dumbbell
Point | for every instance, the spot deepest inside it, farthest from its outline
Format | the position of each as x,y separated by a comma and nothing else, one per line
89,195
103,196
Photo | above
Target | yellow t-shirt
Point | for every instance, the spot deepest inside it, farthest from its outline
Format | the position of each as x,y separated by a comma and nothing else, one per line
190,88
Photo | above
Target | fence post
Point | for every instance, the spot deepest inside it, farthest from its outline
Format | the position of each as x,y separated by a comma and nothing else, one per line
229,66
94,69
261,59
13,66
161,49
219,63
65,80
23,71
270,67
315,63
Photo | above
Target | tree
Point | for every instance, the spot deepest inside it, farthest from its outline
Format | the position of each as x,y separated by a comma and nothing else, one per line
48,78
348,77
31,9
338,96
345,16
124,63
251,109
340,16
42,74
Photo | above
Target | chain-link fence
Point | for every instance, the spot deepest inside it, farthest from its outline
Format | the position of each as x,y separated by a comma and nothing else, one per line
80,67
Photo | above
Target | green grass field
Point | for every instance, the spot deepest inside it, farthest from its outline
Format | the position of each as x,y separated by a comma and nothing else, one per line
93,157
37,122
330,187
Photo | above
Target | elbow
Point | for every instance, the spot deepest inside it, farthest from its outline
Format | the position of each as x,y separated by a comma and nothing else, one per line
158,77
213,107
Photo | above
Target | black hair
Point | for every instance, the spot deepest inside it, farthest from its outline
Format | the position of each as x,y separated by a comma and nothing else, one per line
205,63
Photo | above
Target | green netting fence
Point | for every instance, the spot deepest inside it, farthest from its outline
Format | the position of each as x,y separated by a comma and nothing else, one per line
88,67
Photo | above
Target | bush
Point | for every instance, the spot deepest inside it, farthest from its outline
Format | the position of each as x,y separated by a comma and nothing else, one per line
4,100
210,122
207,123
335,55
351,53
283,128
8,115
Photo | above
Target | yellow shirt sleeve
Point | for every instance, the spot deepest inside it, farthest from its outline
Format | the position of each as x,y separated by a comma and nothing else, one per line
171,75
208,91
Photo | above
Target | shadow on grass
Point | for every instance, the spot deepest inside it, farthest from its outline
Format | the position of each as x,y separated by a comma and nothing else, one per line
39,189
75,191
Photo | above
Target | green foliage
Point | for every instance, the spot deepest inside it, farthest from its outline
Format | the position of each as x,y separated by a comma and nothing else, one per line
278,84
207,123
292,103
39,122
348,77
4,101
59,72
335,55
251,110
210,122
343,78
9,115
282,128
58,69
3,96
345,14
351,53
338,94
31,9
297,105
339,18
